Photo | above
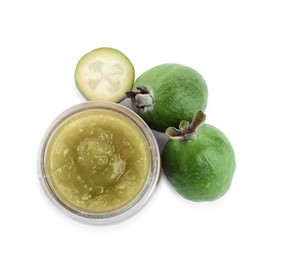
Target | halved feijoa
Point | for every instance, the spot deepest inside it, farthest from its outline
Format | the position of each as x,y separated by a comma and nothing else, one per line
104,74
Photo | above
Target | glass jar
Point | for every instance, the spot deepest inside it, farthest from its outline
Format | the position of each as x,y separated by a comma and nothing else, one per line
121,113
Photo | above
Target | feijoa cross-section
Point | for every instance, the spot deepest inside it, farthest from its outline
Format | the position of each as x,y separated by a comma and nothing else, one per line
104,74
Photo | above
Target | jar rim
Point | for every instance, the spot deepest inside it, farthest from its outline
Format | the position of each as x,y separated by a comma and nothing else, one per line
128,209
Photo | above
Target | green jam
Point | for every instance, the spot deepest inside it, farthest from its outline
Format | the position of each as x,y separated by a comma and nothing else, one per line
98,161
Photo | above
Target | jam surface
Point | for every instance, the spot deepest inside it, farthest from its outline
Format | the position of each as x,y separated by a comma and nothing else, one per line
98,161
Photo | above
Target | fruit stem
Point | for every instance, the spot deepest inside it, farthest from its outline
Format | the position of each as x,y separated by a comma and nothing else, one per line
186,131
141,99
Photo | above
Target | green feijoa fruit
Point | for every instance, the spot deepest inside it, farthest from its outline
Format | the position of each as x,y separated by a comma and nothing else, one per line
167,93
104,74
198,160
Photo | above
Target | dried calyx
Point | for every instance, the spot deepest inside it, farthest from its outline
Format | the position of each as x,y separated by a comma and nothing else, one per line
186,131
141,99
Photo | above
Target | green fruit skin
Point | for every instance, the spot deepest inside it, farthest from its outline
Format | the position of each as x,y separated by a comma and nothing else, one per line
178,92
200,169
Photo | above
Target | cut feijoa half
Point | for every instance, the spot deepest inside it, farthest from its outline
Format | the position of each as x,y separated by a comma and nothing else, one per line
104,74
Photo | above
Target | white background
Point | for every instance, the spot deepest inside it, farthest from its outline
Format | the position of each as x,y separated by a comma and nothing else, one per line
235,45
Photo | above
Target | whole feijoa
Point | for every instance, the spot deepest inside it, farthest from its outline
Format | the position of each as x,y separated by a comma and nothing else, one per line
165,94
198,160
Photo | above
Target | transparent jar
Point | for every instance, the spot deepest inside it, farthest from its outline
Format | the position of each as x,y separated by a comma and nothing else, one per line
107,216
